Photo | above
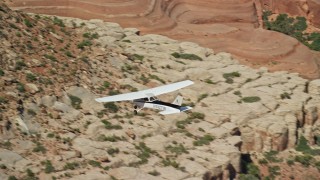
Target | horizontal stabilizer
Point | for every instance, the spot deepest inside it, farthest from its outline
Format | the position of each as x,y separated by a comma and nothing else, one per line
185,108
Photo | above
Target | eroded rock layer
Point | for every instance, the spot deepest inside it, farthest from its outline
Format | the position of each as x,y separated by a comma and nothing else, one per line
225,26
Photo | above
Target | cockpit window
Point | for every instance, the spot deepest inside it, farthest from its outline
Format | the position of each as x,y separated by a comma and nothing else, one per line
153,98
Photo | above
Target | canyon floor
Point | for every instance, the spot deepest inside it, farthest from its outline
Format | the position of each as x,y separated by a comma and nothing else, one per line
224,26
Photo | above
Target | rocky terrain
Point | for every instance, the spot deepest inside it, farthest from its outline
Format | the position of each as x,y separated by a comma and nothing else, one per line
222,25
57,66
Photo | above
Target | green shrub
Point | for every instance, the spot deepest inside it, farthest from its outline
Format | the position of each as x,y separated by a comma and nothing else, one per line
112,138
71,166
285,95
3,100
20,65
126,40
58,22
271,156
84,43
111,106
31,77
144,152
302,145
253,170
12,178
75,101
305,160
95,163
31,112
169,162
205,140
197,115
20,87
112,151
108,125
1,72
28,23
274,170
154,173
39,148
48,167
186,56
51,57
69,54
138,57
178,149
251,99
202,96
181,124
231,75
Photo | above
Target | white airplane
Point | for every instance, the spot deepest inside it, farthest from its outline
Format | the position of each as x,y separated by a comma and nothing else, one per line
147,98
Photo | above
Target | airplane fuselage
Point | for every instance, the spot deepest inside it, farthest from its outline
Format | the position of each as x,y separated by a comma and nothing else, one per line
156,104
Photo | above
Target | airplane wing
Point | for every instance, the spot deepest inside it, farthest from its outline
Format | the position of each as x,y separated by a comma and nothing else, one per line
146,93
169,112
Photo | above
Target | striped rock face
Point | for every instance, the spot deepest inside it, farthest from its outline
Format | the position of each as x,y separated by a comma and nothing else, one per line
225,26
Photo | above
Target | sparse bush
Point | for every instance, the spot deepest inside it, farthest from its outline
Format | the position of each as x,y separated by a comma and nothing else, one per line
1,72
3,100
274,171
209,81
169,162
112,138
271,156
12,178
126,40
20,65
251,99
151,76
112,151
50,135
31,77
31,112
202,96
28,23
205,140
178,149
138,57
305,160
58,22
75,101
20,87
95,163
197,115
154,173
285,95
84,43
48,167
69,54
108,125
39,148
186,56
51,57
111,106
71,166
181,124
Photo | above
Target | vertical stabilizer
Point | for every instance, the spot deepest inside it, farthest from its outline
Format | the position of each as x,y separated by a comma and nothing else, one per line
178,100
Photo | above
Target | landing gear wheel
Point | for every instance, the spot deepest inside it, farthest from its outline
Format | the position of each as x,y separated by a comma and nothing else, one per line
135,112
135,107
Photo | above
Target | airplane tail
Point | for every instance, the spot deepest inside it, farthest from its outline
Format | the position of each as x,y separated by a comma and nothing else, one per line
178,100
